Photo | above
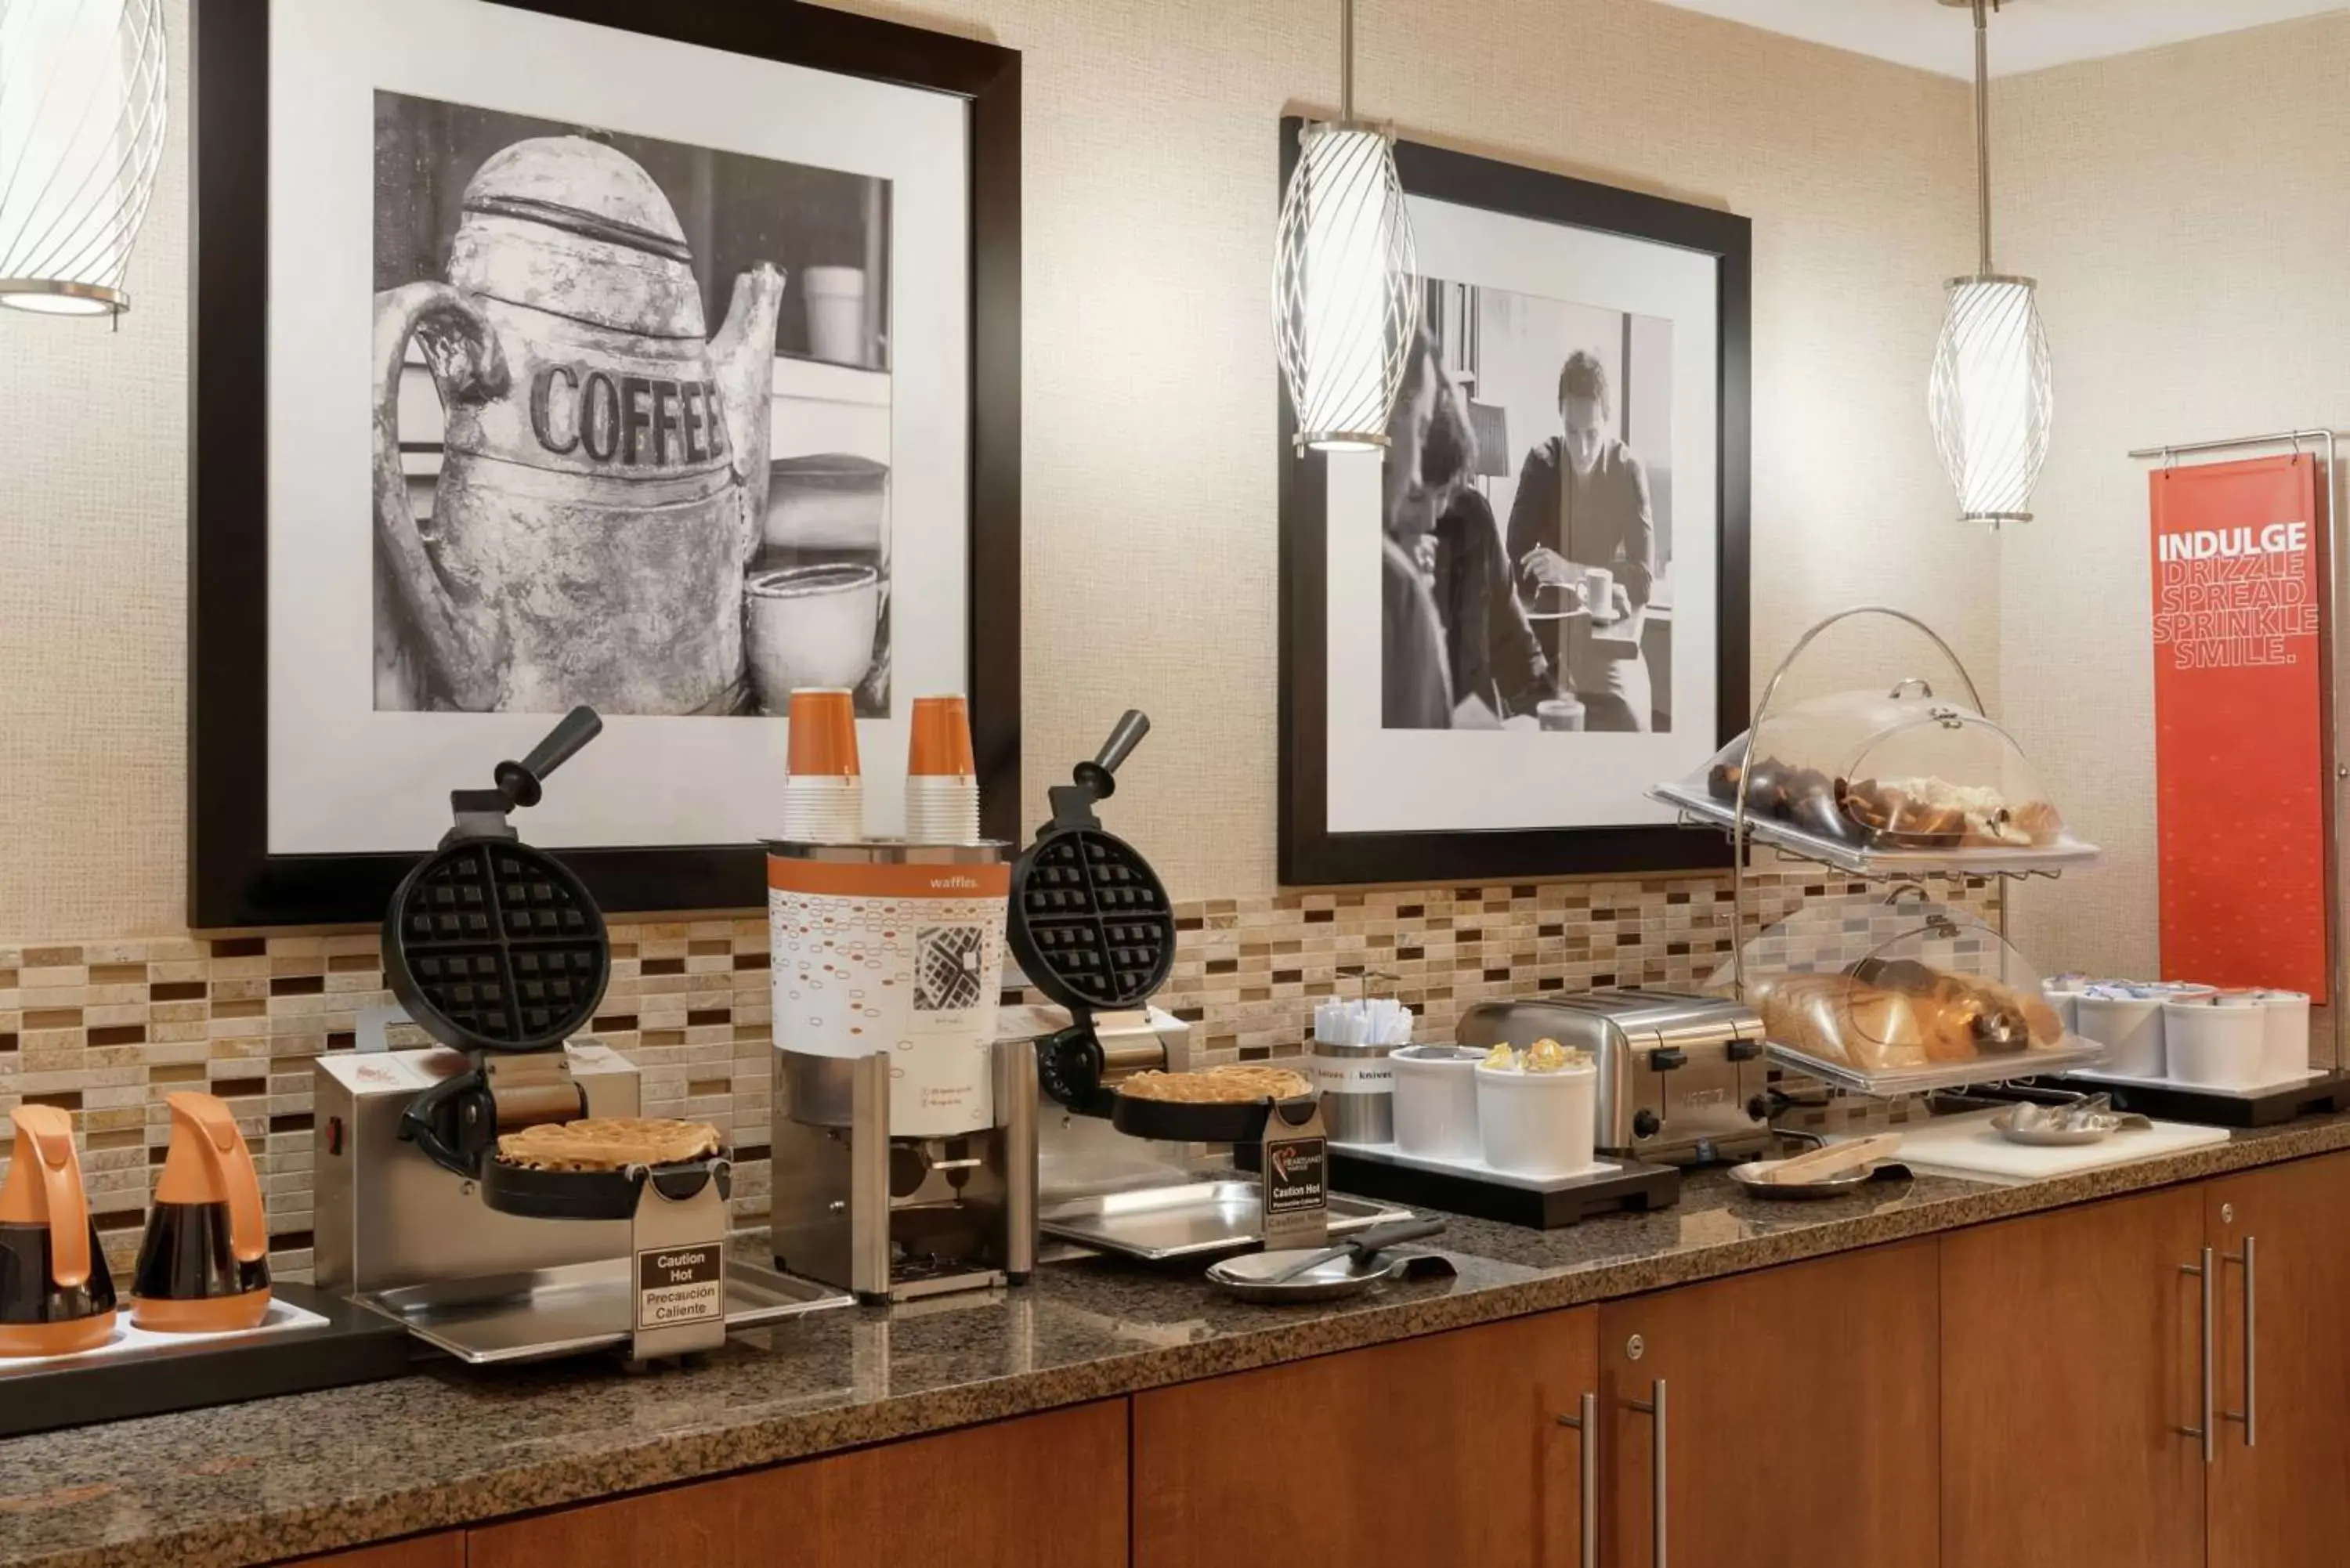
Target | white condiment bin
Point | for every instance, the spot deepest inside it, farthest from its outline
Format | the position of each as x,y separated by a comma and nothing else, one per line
1436,1101
1538,1123
2063,994
2128,1028
2286,1055
2219,1040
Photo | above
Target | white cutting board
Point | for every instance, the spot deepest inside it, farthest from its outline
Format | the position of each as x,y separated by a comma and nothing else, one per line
1969,1147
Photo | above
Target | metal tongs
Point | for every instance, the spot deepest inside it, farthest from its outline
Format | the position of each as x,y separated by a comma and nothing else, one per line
2090,1118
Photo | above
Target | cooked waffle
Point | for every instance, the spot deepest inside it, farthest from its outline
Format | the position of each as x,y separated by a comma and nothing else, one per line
607,1143
1218,1085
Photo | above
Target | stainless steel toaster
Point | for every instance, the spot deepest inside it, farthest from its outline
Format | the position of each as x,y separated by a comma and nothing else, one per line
1680,1076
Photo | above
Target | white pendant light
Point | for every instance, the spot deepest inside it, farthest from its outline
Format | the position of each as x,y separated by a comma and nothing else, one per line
81,135
1344,302
1991,396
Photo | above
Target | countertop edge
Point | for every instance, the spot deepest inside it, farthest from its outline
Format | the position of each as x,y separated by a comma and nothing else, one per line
275,1535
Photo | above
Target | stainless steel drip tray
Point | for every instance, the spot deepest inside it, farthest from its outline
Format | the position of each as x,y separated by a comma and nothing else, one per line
575,1308
1201,1218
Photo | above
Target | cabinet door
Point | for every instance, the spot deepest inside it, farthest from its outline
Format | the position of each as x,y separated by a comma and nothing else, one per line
1043,1491
1445,1450
1801,1406
2280,1494
2071,1358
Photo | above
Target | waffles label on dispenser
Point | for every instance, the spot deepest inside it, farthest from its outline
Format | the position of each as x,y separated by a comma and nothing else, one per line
679,1286
902,957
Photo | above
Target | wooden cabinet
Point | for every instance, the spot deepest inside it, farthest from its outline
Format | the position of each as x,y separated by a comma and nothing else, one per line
2071,1358
444,1550
2279,1492
2009,1397
1442,1449
1800,1407
1043,1491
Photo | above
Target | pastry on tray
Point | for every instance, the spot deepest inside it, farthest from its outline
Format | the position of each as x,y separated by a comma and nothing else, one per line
1901,1013
1935,813
1218,1085
607,1143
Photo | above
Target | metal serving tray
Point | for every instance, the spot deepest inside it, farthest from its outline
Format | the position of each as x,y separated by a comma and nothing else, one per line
1200,1219
1891,1083
575,1308
2067,854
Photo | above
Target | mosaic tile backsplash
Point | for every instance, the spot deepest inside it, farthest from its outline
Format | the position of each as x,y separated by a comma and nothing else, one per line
106,1029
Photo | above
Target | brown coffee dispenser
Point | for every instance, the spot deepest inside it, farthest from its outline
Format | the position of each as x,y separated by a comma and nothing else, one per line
55,1294
203,1264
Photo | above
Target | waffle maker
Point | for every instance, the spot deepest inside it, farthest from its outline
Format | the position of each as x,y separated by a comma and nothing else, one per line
1092,928
1090,924
495,949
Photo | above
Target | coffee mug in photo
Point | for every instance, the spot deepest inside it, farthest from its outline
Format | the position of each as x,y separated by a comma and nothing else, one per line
1560,713
836,312
810,627
1600,592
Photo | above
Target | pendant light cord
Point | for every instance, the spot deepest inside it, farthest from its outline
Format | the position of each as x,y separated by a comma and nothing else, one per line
1982,127
1347,60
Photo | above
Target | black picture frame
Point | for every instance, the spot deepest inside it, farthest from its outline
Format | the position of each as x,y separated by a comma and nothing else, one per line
1310,854
233,881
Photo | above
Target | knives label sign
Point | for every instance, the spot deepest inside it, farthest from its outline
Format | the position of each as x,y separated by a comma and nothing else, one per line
677,1285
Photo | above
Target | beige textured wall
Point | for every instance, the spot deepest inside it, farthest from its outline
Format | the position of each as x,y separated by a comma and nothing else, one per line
1149,459
2186,212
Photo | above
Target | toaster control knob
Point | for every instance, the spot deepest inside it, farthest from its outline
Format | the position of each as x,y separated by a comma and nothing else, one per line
1644,1124
1758,1108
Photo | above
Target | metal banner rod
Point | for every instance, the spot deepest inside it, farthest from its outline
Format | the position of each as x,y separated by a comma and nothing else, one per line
2281,438
2334,658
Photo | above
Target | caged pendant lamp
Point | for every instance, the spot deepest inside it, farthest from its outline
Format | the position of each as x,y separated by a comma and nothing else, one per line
82,136
1991,396
1344,302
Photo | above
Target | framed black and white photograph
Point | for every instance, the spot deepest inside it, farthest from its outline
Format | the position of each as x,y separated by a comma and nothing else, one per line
679,350
1499,633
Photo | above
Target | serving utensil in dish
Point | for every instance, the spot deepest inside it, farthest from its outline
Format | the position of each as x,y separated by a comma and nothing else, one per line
1831,1170
1331,1273
1842,1184
2091,1120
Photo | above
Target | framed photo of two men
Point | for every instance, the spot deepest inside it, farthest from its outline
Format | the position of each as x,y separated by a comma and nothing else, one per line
1497,632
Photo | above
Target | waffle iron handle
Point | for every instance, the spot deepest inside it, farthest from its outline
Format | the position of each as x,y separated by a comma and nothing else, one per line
1098,775
454,1122
1069,1067
521,782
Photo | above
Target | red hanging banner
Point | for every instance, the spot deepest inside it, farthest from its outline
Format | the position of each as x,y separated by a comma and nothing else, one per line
2240,745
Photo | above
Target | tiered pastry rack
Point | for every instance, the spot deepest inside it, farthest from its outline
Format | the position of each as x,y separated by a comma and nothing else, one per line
2005,866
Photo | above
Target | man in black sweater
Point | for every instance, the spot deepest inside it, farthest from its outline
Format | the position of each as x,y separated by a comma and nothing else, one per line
1583,502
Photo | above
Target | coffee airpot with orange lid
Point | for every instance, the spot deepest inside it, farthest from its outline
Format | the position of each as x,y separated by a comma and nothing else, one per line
203,1265
55,1294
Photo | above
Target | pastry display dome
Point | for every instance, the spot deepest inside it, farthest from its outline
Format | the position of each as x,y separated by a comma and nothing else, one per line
1897,995
1899,776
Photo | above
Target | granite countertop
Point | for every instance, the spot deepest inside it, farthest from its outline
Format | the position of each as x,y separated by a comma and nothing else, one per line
314,1472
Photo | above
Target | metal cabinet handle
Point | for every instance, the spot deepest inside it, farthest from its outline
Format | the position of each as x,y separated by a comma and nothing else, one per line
2207,1431
1587,1424
2249,1416
1655,1410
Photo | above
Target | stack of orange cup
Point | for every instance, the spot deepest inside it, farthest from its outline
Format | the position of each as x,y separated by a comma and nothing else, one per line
824,797
941,779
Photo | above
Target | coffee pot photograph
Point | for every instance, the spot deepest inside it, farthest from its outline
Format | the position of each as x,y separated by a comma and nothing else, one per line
606,464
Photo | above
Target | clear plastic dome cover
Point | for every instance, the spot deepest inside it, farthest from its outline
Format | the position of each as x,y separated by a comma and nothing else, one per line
1898,770
1879,986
